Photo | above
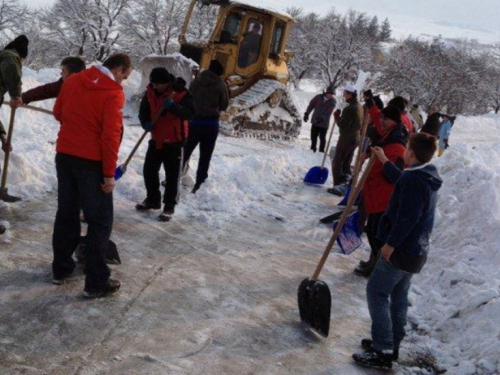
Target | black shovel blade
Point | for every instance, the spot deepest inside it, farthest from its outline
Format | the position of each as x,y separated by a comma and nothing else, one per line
315,302
331,218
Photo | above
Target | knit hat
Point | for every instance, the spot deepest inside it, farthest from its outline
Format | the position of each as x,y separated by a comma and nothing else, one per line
350,88
20,45
330,90
160,75
216,67
392,113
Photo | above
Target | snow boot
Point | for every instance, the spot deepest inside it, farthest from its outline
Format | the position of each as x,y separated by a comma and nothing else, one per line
374,359
167,214
147,205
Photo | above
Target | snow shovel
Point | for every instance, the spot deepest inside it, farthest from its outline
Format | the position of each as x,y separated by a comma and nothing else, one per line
4,195
349,238
313,295
122,168
319,175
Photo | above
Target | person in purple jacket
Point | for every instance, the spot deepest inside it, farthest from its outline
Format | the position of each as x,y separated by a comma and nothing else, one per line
405,229
322,107
69,66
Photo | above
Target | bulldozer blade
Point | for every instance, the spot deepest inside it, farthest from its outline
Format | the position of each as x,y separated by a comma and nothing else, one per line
315,303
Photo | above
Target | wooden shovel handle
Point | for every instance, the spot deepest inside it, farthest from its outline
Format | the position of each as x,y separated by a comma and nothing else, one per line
7,152
155,118
359,159
350,202
38,109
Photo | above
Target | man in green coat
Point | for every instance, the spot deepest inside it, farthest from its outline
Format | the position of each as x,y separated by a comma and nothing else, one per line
11,59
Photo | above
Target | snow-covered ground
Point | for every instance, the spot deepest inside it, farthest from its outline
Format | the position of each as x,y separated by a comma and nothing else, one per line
214,290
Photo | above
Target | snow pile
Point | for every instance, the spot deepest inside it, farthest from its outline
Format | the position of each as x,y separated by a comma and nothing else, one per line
455,300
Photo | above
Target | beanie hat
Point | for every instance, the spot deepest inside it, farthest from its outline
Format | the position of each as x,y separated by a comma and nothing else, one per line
216,67
368,94
20,45
392,113
160,75
330,90
398,101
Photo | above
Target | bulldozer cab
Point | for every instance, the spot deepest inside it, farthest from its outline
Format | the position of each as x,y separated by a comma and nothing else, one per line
248,41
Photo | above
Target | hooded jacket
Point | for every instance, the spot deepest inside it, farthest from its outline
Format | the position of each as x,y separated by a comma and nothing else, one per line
210,95
407,223
89,108
10,73
322,109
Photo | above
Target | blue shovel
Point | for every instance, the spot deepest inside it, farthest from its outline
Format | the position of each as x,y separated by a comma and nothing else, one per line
318,175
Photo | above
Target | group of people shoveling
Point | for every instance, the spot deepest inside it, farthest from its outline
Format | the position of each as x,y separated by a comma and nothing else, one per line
396,206
89,105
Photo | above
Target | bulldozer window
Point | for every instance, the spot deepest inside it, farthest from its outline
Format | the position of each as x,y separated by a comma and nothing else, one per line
277,39
229,33
250,45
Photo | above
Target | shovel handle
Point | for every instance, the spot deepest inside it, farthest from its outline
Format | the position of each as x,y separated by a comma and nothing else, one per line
359,159
350,202
7,152
38,109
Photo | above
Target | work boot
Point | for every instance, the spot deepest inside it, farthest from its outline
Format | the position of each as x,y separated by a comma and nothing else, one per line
167,214
6,197
111,286
375,359
366,344
147,205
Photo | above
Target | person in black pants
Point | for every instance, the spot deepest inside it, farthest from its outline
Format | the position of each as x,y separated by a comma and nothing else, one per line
169,132
322,107
211,97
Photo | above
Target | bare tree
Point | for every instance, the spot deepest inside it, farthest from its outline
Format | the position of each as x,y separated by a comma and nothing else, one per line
13,16
152,26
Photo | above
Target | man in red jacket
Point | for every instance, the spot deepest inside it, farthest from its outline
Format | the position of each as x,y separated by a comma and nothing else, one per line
169,134
89,108
69,66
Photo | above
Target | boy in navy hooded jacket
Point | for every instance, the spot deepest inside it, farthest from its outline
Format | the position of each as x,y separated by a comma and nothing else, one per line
405,228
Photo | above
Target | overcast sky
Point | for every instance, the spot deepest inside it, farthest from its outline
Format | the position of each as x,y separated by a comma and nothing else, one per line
450,18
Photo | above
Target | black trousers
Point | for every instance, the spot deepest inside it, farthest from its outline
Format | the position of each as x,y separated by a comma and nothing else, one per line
371,233
206,136
79,186
316,132
170,156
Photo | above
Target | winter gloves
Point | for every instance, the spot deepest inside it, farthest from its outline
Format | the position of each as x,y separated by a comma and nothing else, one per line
306,117
168,103
147,125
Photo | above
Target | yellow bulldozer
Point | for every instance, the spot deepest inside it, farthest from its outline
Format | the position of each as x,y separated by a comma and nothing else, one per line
249,42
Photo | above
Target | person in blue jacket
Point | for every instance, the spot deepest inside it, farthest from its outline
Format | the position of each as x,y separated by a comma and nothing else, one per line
322,107
444,133
405,229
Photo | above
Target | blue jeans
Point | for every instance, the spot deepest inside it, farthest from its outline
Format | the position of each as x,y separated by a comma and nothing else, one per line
79,186
387,296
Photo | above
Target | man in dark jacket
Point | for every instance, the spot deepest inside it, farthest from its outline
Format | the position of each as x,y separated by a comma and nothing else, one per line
349,123
405,229
69,66
211,97
169,133
11,59
322,107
